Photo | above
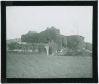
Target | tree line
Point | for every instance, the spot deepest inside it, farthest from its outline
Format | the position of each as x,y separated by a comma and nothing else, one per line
73,42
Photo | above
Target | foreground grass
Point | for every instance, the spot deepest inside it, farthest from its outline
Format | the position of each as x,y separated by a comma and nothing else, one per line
41,66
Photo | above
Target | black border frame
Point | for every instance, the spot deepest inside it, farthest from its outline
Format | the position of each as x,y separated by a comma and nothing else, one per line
49,3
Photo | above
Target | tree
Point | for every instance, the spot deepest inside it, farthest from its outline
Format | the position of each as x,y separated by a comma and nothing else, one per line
88,46
46,36
30,38
75,42
43,37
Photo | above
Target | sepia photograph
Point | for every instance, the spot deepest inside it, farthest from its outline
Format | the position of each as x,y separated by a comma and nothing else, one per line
49,41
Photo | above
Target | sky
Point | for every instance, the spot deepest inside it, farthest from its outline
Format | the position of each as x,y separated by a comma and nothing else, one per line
71,20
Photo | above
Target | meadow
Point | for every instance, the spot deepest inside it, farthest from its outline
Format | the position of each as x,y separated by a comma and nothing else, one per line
30,65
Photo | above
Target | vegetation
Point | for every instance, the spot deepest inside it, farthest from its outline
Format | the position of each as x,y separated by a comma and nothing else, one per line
71,45
89,46
43,37
14,45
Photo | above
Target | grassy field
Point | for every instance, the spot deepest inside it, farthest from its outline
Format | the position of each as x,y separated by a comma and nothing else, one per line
41,66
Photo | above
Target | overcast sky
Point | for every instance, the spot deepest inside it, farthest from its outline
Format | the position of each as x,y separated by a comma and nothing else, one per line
70,20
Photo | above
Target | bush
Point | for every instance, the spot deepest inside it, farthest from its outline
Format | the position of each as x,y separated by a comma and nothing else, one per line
70,52
13,45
